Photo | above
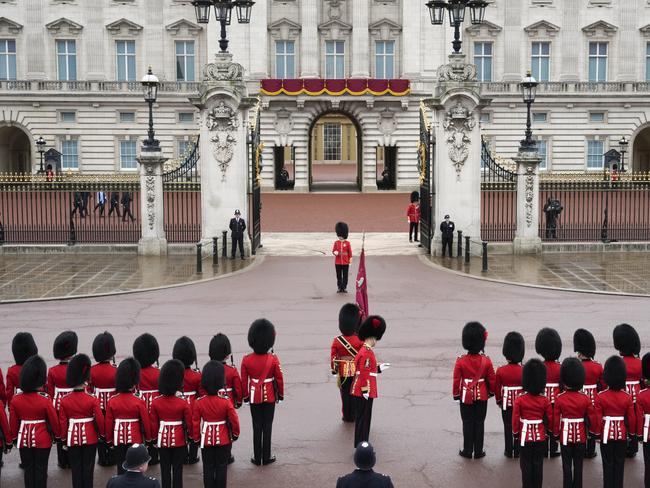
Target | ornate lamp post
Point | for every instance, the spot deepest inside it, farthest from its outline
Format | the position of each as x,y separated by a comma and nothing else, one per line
40,144
223,14
150,85
622,148
456,9
528,88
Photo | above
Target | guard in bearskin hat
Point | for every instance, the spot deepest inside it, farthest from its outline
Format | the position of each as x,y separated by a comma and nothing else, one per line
220,350
507,387
342,251
147,351
82,422
171,421
33,422
615,410
364,459
413,216
643,416
628,344
263,385
185,351
473,383
532,417
102,384
65,346
364,385
343,351
23,347
216,426
548,344
574,421
127,418
584,345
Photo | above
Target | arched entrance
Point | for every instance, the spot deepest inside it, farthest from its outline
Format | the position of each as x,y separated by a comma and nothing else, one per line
641,151
335,153
15,150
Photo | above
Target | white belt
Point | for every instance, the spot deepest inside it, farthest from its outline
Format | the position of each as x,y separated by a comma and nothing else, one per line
187,394
257,380
204,429
374,375
118,424
467,382
565,428
608,426
73,422
148,392
24,423
646,427
590,387
60,391
524,429
102,391
163,425
505,394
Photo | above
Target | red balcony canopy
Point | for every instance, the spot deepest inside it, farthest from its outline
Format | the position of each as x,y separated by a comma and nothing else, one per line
355,87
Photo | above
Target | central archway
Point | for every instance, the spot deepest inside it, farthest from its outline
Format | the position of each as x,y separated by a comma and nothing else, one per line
641,151
335,153
15,150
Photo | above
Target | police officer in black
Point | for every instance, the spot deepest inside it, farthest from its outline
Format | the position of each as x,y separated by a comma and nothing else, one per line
364,476
135,464
237,227
447,228
115,203
127,198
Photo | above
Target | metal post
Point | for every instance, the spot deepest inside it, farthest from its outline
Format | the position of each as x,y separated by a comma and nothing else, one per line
215,251
485,257
456,43
467,249
224,251
199,262
459,253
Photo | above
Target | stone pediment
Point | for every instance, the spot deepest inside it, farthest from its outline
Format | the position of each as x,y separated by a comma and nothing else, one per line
64,24
335,29
183,24
9,26
485,28
542,28
645,30
384,29
600,28
124,26
284,29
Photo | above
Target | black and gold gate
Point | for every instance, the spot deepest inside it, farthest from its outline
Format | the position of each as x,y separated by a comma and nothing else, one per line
426,194
255,165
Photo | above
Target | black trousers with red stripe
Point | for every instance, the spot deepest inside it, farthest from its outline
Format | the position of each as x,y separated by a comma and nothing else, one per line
362,419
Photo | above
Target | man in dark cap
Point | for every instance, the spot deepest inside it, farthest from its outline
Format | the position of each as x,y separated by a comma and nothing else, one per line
508,387
135,466
447,228
147,351
628,344
584,345
102,384
364,476
548,344
185,351
413,216
342,251
237,228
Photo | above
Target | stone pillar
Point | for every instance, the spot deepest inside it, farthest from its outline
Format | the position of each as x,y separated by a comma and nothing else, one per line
309,39
360,58
570,35
627,41
152,241
94,46
512,36
35,40
411,37
527,240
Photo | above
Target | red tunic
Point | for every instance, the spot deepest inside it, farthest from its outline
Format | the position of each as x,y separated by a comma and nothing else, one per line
259,373
31,419
171,421
531,417
572,410
413,213
593,379
233,390
215,421
81,419
344,250
365,377
13,382
56,385
3,391
474,378
102,382
616,413
643,415
4,426
192,388
552,380
126,419
507,385
148,386
342,359
633,381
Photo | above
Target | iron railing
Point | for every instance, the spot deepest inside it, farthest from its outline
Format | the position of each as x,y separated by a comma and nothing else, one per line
188,170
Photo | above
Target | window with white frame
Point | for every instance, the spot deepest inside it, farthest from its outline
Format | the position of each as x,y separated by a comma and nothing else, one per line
332,142
483,60
595,152
647,61
70,154
66,60
68,117
385,60
127,117
186,117
334,59
182,147
540,117
285,59
185,61
542,151
125,56
597,117
597,61
128,154
541,60
7,59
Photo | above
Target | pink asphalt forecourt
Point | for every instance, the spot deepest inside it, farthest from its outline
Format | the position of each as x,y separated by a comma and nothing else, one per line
416,426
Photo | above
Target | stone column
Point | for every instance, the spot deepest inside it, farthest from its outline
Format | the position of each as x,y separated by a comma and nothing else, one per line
309,39
360,58
93,33
627,41
527,240
257,39
411,37
35,40
512,36
152,241
570,35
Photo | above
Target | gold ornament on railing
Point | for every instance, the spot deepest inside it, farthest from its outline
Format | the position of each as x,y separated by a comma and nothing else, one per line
258,162
422,153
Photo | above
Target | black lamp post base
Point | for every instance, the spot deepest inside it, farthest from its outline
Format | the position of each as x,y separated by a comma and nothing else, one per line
151,146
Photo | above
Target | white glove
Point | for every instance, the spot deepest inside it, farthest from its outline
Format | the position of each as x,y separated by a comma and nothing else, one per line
280,401
336,253
384,366
366,396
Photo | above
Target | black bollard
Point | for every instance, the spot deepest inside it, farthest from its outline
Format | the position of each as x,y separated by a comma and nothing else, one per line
459,252
215,251
485,257
199,261
467,249
224,251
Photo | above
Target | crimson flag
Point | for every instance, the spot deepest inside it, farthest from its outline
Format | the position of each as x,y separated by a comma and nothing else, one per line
362,286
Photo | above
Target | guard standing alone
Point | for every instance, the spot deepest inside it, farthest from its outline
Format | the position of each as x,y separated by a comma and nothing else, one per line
342,251
237,228
413,216
447,228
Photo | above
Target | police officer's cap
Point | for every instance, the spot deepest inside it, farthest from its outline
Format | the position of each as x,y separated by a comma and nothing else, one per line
136,456
447,216
364,456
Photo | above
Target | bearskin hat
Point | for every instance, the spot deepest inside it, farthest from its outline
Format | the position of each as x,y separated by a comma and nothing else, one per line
548,344
33,374
349,319
23,347
171,377
373,326
78,370
615,373
261,336
514,347
104,347
415,197
533,377
127,376
146,350
626,340
584,343
65,345
185,351
572,374
645,366
474,336
213,377
342,230
220,347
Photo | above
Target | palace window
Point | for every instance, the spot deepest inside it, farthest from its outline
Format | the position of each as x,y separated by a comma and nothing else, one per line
332,142
595,152
70,154
186,117
285,59
68,117
66,59
542,151
540,117
128,154
334,59
483,60
127,117
385,59
597,61
541,60
182,147
125,60
647,62
185,61
7,59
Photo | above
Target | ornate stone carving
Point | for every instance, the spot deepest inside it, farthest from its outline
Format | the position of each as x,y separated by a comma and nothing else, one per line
223,69
529,193
283,123
458,124
150,189
457,70
222,121
387,123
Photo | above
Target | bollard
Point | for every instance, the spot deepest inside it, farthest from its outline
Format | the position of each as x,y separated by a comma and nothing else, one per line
460,244
215,251
467,249
199,262
485,257
224,252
